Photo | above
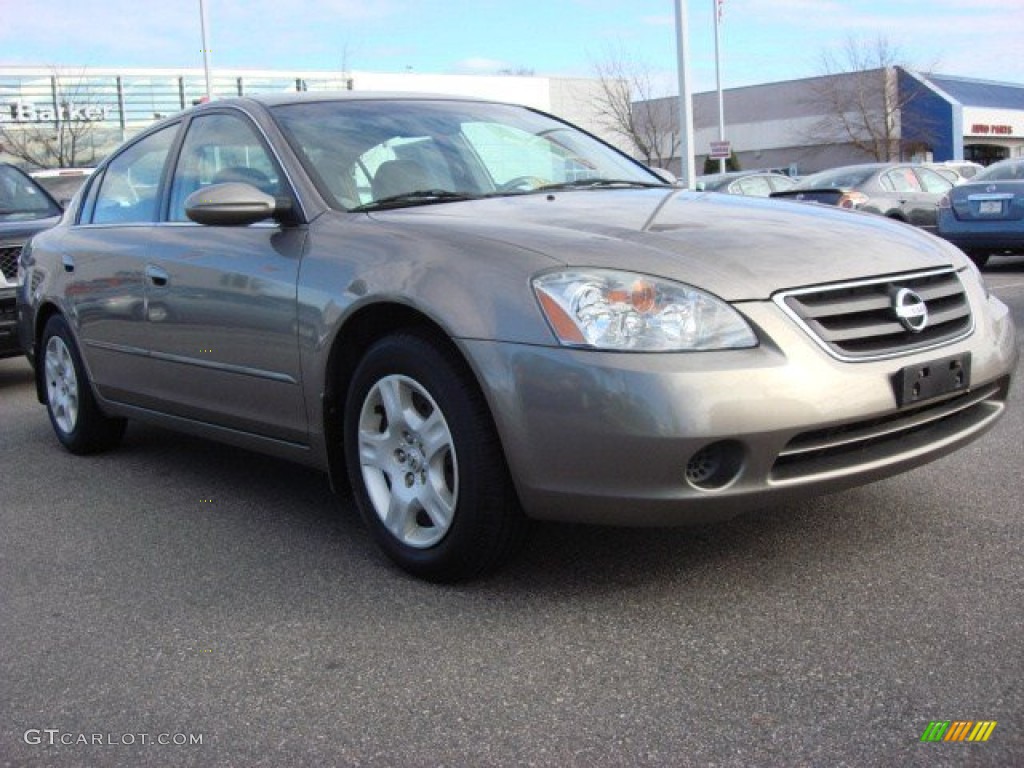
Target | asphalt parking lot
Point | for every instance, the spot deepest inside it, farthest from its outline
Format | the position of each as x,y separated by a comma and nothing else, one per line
225,603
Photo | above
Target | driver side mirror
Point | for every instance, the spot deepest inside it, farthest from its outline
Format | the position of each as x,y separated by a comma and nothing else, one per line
233,204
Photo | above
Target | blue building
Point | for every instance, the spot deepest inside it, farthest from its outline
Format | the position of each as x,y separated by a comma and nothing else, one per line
960,118
889,113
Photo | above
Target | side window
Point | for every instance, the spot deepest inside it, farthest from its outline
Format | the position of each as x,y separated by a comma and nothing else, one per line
220,148
130,188
903,180
932,181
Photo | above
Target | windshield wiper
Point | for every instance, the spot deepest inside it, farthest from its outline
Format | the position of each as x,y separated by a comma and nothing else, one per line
416,197
602,184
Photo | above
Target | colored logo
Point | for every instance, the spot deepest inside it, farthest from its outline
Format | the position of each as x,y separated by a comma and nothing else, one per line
958,730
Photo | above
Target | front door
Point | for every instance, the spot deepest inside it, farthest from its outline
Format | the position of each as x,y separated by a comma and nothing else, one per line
221,301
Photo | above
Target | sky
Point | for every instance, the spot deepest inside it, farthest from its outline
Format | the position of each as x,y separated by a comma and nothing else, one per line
761,40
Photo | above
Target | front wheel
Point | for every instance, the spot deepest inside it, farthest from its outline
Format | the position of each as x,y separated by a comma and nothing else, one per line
77,420
425,463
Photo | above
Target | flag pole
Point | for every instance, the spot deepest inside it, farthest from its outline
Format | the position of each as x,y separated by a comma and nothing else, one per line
686,166
718,79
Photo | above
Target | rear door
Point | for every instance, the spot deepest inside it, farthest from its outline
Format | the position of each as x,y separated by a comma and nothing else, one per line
104,259
935,186
909,197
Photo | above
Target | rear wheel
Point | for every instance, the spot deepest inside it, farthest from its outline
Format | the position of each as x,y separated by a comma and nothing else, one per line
78,422
427,469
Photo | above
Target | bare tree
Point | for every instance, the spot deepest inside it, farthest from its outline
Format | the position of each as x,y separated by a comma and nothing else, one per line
860,100
628,107
54,134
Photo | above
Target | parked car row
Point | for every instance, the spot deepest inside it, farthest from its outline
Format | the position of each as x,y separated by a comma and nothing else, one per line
750,183
981,210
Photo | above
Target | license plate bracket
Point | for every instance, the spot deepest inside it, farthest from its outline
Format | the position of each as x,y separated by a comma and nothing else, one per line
934,378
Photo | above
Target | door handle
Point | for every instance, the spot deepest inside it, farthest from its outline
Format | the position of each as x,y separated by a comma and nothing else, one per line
156,275
68,262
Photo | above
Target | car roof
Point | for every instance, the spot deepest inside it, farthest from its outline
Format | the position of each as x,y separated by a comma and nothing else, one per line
308,97
22,171
861,166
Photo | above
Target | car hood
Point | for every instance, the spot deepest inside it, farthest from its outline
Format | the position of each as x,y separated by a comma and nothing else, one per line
735,247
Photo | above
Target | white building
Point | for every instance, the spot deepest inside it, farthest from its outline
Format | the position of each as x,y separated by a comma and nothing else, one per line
117,103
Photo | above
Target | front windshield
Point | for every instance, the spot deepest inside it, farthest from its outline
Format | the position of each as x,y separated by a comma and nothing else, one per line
21,199
360,153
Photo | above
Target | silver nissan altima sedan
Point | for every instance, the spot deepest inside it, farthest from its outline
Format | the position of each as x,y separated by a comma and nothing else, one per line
475,314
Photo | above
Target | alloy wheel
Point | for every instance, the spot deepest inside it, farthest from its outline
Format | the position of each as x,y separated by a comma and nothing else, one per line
408,461
61,384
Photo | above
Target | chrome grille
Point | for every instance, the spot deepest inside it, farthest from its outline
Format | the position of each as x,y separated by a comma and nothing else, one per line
858,321
9,261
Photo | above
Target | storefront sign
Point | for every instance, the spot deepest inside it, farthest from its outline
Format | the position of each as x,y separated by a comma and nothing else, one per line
22,112
981,129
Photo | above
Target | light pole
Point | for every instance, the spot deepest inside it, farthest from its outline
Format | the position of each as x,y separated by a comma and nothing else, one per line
717,10
206,50
686,166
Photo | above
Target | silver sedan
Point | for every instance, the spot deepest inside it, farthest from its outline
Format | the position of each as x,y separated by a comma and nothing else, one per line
475,314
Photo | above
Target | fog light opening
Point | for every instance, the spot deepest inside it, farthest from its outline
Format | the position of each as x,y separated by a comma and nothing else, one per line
715,466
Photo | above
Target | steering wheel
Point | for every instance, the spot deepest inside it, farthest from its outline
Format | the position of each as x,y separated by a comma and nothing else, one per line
522,184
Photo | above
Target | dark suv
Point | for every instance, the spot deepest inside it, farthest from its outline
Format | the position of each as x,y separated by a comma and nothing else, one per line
25,209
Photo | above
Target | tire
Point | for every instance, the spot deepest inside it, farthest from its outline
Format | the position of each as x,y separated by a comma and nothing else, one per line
980,258
80,425
425,463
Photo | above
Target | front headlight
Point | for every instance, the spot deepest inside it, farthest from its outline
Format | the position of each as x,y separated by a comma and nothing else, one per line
613,310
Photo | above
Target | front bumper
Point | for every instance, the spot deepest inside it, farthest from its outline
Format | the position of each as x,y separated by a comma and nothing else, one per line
624,438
